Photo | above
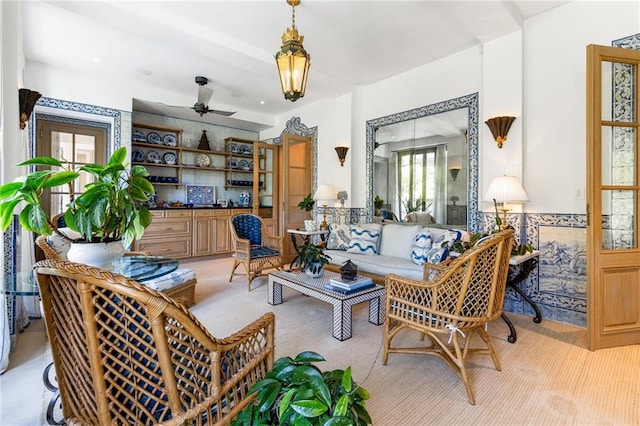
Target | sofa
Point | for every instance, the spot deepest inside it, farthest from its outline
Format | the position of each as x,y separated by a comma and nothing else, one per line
397,248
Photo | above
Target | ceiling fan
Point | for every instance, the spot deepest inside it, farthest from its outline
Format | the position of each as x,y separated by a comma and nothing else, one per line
204,96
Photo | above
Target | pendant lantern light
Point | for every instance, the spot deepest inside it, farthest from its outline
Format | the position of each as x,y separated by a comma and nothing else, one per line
292,60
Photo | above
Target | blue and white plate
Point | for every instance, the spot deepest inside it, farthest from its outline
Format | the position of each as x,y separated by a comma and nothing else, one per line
243,164
137,156
170,158
169,140
154,138
138,136
153,157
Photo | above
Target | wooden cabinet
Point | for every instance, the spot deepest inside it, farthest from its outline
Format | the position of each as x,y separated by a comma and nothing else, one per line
210,232
187,233
168,235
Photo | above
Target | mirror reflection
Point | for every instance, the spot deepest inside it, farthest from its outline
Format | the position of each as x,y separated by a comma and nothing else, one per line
423,166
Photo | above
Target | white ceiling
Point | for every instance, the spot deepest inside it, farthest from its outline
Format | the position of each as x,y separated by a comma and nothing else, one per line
165,44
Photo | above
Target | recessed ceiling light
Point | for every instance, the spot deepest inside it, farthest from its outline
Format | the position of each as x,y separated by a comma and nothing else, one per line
261,102
96,59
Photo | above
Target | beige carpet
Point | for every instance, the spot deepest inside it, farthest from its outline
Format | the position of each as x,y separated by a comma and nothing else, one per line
548,377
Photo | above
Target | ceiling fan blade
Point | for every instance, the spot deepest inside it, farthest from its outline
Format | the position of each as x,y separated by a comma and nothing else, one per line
204,95
225,113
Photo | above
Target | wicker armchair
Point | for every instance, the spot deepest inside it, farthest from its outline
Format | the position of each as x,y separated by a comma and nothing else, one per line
456,302
126,354
254,247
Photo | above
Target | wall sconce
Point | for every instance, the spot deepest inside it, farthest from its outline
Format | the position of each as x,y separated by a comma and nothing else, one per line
342,154
499,127
27,100
454,172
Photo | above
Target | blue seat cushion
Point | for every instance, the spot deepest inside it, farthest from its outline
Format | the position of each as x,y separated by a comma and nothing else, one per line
262,251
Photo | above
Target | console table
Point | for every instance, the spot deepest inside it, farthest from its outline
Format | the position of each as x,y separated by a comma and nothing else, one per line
519,269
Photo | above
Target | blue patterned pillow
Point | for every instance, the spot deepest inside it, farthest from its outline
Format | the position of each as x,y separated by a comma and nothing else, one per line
364,240
422,243
450,236
437,254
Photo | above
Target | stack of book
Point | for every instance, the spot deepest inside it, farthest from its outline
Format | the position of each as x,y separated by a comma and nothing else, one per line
343,286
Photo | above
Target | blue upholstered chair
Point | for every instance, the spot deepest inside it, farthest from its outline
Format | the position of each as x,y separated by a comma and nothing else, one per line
254,247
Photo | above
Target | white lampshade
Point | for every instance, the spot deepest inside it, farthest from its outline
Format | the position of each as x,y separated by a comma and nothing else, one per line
506,189
325,192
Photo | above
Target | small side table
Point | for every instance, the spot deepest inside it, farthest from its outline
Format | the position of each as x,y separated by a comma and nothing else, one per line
306,238
519,269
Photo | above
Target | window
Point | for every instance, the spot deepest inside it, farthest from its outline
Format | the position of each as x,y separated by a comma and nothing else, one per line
77,144
416,180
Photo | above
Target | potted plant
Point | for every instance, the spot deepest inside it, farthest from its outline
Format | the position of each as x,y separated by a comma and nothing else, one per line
109,210
377,204
295,391
307,205
311,259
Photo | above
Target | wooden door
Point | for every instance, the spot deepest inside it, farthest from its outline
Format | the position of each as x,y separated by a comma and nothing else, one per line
613,197
296,176
265,188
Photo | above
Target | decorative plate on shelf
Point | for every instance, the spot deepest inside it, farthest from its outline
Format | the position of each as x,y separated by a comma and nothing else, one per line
233,148
169,140
243,164
170,158
154,157
202,160
137,156
246,149
154,138
138,136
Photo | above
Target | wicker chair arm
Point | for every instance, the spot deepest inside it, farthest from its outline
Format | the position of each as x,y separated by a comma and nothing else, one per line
241,245
433,271
273,242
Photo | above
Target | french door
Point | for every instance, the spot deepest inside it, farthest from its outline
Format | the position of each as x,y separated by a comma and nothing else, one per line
613,197
79,145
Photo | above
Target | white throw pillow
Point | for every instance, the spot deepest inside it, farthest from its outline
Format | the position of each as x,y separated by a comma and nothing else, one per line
396,240
364,239
422,243
437,254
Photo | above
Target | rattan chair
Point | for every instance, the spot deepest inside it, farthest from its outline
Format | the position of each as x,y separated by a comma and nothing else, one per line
253,247
127,354
455,303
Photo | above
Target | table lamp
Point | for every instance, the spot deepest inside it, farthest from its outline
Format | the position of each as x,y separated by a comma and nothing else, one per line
323,194
506,189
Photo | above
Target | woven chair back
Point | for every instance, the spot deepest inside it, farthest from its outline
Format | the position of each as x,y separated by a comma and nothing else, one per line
126,354
248,227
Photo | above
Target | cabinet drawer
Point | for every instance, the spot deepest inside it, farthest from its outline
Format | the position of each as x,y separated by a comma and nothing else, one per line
179,247
222,213
166,227
177,213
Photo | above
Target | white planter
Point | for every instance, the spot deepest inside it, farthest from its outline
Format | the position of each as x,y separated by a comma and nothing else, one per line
319,270
96,254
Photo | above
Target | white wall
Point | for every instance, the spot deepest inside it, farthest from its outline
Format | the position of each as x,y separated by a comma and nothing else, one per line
555,97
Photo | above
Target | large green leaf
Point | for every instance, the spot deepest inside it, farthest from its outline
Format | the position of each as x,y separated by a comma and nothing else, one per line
320,389
338,421
61,178
347,383
302,373
309,356
267,396
285,402
309,408
6,212
9,189
41,161
118,156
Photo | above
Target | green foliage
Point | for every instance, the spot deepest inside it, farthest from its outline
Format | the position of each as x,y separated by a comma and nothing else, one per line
378,202
307,203
311,257
296,392
110,208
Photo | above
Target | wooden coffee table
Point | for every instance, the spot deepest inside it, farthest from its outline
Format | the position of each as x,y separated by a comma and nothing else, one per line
342,303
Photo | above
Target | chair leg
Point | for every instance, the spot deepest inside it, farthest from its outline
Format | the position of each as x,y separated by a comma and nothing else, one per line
487,340
235,265
462,368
